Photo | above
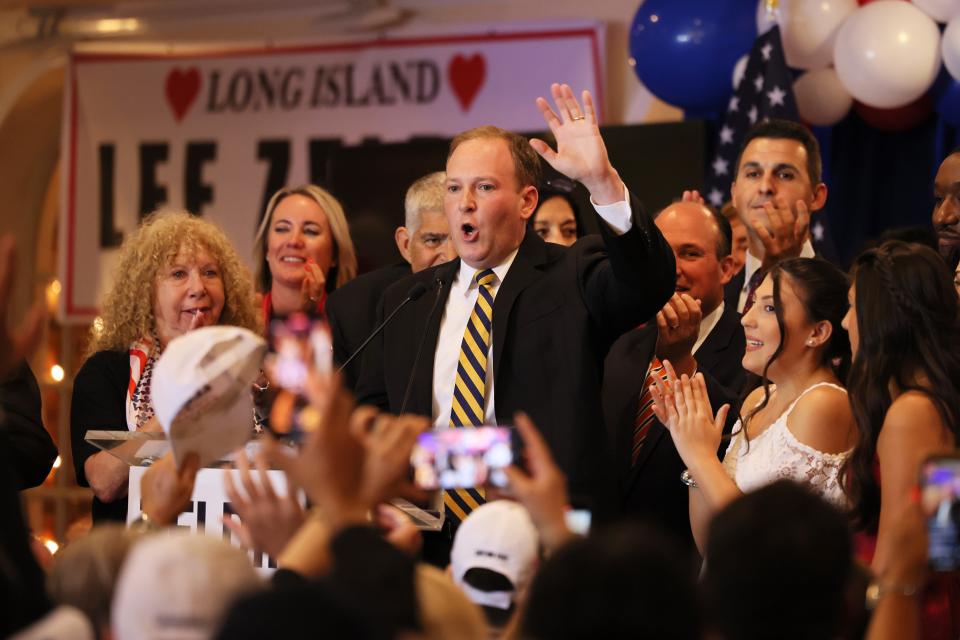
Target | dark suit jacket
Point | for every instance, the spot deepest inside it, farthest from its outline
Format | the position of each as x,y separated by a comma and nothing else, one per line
22,433
652,489
721,354
731,290
554,317
352,313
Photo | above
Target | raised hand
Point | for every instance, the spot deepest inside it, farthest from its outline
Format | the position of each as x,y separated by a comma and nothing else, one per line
678,327
267,521
165,490
786,234
329,467
543,488
388,442
312,287
581,153
692,196
696,432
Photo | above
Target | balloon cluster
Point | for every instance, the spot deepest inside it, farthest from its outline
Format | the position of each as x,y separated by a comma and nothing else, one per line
880,57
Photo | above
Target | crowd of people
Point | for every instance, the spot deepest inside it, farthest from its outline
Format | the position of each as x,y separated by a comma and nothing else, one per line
721,434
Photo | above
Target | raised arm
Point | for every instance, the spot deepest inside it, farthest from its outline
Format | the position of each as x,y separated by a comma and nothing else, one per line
683,406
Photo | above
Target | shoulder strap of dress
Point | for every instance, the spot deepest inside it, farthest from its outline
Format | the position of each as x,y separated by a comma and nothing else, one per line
808,390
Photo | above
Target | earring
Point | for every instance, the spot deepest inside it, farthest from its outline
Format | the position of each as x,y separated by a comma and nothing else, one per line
810,342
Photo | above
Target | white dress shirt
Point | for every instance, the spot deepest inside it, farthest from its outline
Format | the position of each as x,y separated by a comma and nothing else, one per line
463,296
753,263
707,324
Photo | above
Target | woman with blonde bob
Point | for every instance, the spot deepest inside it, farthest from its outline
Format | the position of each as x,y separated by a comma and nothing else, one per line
302,251
176,273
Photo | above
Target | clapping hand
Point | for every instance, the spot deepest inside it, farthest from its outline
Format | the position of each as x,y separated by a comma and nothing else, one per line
312,287
267,521
683,406
786,234
581,154
678,327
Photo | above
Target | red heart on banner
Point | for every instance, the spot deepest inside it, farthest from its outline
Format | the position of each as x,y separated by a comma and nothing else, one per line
182,88
466,76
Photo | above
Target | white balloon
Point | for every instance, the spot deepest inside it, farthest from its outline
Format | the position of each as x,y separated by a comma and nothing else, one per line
822,100
939,10
887,54
951,48
739,69
809,29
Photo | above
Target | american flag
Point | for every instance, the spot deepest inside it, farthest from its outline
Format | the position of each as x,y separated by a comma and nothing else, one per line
765,92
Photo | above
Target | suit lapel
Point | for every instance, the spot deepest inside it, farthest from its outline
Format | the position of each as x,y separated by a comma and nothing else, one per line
422,393
718,339
522,273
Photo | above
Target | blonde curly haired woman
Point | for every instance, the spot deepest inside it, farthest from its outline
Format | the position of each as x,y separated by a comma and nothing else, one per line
176,273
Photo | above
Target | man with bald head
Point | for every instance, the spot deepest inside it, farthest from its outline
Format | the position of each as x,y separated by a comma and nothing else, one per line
695,331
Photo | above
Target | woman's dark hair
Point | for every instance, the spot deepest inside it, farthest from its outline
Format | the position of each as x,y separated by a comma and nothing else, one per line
625,581
551,190
906,308
822,290
780,559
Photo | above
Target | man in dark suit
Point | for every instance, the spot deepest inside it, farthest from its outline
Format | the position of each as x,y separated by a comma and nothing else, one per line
555,310
775,190
695,331
423,241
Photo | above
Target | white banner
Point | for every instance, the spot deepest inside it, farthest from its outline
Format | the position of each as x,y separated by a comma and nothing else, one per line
209,505
208,132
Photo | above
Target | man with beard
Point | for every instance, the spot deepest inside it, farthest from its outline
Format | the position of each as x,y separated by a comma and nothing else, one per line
946,208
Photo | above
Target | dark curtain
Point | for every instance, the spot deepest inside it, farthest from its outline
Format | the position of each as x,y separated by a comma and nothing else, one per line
879,180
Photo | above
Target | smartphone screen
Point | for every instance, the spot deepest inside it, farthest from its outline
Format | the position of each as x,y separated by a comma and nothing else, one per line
298,344
462,458
941,498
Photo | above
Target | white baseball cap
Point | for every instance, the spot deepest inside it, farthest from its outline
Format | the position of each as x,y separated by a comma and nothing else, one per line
498,536
201,390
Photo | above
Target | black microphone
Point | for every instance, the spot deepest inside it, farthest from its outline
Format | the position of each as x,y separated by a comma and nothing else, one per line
414,293
423,338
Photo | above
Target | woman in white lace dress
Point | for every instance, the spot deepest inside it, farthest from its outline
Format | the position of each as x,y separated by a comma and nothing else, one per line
797,424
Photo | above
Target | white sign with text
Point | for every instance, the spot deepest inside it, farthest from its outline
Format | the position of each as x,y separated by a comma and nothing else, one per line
210,132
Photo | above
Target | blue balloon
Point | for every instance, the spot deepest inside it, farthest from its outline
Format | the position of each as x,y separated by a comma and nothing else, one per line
948,103
684,51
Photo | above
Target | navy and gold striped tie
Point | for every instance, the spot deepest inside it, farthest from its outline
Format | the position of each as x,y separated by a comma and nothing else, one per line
470,386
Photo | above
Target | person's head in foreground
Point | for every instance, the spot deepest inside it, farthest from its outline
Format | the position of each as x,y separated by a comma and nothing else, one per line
628,581
778,561
179,586
494,557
